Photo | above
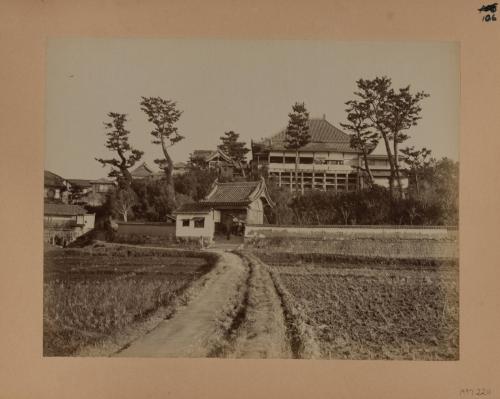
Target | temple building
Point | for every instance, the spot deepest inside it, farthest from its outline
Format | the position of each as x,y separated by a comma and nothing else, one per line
327,162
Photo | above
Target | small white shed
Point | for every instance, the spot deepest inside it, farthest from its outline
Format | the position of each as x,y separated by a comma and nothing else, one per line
195,220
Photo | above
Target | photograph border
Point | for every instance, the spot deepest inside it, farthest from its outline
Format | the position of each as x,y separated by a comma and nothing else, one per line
25,27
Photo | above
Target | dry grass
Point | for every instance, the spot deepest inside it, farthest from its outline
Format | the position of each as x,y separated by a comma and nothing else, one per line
89,295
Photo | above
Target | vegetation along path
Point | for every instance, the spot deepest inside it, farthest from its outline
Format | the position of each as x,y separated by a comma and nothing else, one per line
237,313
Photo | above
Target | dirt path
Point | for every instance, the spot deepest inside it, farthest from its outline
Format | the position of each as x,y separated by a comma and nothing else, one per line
195,329
237,313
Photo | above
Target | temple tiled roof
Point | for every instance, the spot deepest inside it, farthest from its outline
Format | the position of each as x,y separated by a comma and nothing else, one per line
143,170
324,137
227,195
234,193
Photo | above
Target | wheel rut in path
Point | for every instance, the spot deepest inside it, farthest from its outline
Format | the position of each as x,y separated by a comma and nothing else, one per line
262,333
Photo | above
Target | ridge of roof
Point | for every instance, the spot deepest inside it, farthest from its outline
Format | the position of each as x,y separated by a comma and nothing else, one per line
103,180
51,208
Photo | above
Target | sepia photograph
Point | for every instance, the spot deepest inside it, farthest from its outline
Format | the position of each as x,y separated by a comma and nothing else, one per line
253,199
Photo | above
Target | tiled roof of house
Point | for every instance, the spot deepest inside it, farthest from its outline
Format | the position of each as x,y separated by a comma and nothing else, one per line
56,209
324,137
79,182
52,180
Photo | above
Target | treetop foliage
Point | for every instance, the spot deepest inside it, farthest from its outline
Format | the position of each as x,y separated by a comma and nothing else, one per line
297,132
117,141
363,138
163,114
231,146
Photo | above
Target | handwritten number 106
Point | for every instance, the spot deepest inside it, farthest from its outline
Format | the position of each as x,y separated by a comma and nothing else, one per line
489,18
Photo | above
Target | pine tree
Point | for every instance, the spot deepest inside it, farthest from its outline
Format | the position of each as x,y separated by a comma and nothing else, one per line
118,141
164,115
375,95
417,161
362,138
235,149
404,112
297,133
390,113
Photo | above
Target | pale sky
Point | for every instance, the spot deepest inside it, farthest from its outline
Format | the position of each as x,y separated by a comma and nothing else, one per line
221,85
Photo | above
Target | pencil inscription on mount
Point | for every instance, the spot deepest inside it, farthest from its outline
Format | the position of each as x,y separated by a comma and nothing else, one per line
490,11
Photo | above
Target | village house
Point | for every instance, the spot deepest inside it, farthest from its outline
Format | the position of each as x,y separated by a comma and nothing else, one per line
55,188
63,223
76,191
225,210
90,192
327,162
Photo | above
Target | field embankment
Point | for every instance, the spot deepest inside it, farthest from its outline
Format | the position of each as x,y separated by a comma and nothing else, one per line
389,247
92,295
